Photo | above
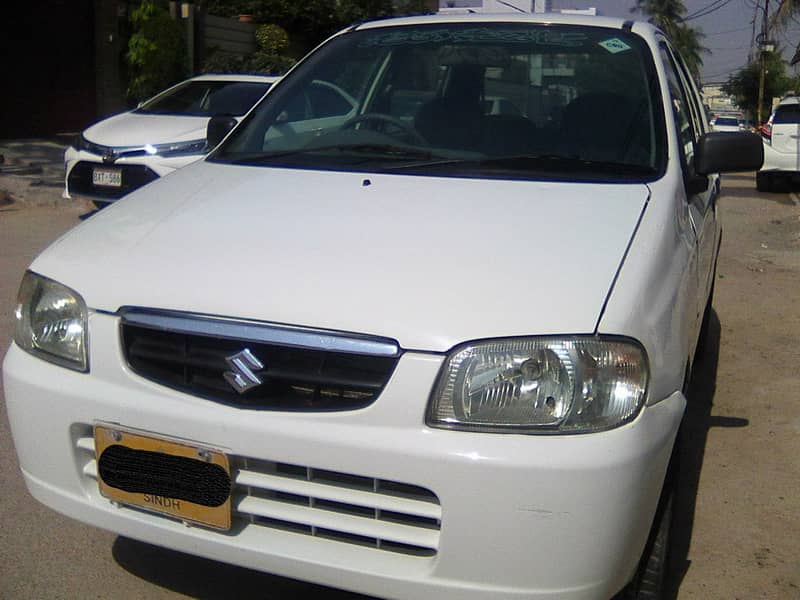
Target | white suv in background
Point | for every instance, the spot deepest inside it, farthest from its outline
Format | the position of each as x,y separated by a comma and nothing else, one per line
781,147
122,153
388,338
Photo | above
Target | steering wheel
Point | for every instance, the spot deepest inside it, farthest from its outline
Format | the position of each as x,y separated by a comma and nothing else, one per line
385,124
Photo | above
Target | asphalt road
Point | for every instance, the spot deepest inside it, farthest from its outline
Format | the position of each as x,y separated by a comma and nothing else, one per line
737,527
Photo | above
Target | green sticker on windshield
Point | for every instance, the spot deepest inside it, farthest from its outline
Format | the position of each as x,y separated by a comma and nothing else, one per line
614,45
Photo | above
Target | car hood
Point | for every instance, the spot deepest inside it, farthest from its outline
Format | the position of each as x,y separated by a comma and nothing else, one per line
428,261
133,129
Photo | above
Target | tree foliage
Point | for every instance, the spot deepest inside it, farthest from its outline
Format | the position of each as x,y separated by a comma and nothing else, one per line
669,15
743,85
268,59
786,14
156,52
309,22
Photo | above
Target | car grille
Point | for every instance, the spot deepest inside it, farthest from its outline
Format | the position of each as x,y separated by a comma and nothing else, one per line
365,511
196,355
79,180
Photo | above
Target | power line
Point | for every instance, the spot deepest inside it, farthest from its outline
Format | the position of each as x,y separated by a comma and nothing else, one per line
729,31
707,10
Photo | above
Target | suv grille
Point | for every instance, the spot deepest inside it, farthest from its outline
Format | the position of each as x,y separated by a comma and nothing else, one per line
194,355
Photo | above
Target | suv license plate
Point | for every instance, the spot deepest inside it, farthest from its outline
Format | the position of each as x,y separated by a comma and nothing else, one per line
107,177
188,482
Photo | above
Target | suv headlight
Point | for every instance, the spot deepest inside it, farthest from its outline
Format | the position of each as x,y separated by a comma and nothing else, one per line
51,322
540,385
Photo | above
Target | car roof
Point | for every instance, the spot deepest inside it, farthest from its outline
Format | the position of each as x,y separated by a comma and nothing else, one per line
545,18
790,100
243,77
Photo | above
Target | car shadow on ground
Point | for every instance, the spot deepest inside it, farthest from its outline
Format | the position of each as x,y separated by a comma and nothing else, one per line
742,185
210,580
697,422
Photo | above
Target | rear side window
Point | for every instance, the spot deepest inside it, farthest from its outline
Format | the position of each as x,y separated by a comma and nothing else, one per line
788,114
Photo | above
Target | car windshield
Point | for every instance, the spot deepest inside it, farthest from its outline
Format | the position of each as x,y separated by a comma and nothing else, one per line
788,114
727,121
479,99
206,98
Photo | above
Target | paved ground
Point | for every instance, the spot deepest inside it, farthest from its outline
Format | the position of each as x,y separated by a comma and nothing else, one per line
738,527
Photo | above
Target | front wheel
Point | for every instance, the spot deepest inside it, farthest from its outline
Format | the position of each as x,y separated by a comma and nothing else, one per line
650,580
764,181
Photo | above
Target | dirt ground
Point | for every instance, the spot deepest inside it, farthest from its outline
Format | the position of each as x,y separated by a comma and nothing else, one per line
737,534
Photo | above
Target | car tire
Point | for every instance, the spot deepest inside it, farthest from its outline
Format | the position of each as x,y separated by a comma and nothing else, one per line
764,182
649,583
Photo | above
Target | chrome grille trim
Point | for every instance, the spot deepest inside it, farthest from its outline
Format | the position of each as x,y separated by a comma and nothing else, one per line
282,335
295,369
352,509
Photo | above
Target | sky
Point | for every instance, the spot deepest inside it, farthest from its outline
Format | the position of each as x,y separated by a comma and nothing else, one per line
728,30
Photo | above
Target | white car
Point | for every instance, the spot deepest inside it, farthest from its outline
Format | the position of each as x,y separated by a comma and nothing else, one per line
386,340
727,123
781,147
122,153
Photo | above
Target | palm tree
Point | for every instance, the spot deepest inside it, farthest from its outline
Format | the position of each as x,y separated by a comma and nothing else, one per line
785,13
664,14
668,15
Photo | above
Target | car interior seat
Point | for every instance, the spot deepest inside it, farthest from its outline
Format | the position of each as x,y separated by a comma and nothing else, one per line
453,120
604,127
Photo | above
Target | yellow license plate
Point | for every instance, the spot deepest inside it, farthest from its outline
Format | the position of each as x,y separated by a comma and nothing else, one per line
189,482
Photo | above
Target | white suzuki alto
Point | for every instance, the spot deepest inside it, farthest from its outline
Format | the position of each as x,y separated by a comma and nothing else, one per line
420,327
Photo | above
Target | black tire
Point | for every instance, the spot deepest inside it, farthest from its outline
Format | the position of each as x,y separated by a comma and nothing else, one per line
764,182
702,340
650,579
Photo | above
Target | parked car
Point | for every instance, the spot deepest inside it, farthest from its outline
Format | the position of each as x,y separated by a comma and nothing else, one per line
407,348
781,147
122,153
727,123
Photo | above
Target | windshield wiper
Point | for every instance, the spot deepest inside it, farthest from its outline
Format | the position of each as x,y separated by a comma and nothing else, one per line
540,163
378,150
566,164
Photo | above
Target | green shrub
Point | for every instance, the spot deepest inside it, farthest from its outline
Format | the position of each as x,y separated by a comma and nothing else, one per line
156,51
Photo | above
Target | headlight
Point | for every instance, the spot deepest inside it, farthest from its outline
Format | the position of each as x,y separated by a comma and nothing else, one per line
51,322
177,148
540,385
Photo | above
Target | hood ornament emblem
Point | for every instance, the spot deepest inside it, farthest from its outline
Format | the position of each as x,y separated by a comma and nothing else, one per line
242,377
109,156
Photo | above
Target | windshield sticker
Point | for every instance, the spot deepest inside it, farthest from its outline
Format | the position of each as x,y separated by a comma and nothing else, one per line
614,45
540,37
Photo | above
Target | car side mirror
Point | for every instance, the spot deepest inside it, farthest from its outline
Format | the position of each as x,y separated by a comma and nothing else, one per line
218,127
727,151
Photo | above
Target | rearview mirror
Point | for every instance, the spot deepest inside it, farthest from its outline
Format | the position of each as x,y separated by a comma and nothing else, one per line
724,151
216,130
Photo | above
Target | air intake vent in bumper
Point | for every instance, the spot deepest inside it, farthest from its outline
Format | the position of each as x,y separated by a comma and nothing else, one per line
377,513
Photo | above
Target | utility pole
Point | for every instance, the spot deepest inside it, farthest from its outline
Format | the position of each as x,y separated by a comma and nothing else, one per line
763,42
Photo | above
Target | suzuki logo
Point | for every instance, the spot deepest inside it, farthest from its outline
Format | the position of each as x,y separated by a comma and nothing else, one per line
241,376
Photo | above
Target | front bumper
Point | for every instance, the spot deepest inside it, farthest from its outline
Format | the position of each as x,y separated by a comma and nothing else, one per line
137,171
521,516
